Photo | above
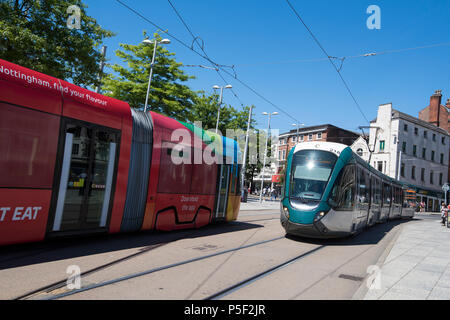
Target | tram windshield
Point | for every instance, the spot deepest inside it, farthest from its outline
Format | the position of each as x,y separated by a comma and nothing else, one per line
311,170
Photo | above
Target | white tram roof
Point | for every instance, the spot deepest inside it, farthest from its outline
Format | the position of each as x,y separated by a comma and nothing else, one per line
333,147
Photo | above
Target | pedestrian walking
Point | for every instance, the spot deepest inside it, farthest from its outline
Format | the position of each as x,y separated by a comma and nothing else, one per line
444,213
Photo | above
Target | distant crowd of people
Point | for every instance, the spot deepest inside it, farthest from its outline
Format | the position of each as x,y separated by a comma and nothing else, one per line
266,192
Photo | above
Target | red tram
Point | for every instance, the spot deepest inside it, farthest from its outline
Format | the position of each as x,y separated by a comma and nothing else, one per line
73,161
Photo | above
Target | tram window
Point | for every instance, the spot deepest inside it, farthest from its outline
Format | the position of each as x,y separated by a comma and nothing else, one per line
311,170
175,178
343,193
28,146
203,179
387,194
363,187
376,191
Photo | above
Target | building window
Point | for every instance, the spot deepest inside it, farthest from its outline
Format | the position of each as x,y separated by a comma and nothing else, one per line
405,127
434,136
294,138
413,172
424,152
310,136
414,150
443,140
359,152
440,179
432,155
425,134
404,147
302,137
284,154
402,170
382,145
442,158
431,177
416,131
319,135
422,174
380,166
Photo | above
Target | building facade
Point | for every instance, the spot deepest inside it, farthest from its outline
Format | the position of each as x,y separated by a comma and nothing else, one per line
410,150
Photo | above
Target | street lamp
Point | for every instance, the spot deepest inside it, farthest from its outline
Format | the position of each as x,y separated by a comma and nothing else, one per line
265,152
297,125
155,42
244,160
228,86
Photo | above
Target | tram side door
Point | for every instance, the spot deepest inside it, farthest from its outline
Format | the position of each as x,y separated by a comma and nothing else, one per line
84,195
220,209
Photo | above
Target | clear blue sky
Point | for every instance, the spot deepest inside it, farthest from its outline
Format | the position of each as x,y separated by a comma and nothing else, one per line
252,34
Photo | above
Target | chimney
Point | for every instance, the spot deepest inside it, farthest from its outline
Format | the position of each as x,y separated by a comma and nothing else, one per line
435,103
448,104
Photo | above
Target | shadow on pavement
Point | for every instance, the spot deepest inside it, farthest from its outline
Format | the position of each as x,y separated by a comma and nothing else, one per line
67,248
371,235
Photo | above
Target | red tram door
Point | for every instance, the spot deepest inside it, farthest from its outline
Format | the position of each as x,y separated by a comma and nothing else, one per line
220,210
88,162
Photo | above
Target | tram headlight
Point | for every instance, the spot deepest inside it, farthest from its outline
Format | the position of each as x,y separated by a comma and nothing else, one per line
286,212
320,215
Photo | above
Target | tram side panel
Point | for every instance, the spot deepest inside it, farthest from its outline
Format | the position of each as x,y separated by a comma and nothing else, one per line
184,191
28,146
29,119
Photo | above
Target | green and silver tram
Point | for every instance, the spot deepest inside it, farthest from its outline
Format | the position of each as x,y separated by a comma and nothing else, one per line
331,192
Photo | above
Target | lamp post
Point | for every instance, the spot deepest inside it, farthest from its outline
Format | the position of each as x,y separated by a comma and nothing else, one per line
155,43
228,86
265,152
244,161
297,125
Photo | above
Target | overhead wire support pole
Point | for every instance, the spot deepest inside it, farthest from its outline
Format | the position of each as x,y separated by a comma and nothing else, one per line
102,64
244,160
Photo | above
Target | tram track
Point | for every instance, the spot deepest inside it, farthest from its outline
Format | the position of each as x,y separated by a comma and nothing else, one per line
45,293
241,284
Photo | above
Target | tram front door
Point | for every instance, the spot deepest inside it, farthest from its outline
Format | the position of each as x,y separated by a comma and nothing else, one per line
87,175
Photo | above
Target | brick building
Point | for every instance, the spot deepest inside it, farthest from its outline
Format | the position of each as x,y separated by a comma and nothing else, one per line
438,115
325,132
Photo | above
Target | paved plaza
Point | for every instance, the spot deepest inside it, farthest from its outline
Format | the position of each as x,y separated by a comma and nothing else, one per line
418,265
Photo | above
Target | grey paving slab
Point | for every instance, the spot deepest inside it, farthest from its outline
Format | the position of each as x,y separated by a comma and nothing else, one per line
418,265
440,293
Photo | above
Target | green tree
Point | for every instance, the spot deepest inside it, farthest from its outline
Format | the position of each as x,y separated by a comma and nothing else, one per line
167,93
205,109
34,34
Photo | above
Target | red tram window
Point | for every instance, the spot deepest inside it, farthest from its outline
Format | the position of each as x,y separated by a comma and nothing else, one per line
174,178
204,179
28,146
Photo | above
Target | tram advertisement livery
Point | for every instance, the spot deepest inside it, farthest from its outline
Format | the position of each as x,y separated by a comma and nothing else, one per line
76,162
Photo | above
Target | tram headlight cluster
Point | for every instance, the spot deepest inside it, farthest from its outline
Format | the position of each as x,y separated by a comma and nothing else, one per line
286,212
320,215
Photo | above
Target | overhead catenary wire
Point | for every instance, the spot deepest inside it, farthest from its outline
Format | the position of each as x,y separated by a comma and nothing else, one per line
329,58
208,59
215,65
363,55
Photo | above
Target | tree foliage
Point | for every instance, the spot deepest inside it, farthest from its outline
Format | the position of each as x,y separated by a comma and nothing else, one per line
34,34
168,95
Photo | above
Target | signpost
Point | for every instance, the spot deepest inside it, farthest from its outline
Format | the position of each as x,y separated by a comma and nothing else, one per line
445,187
